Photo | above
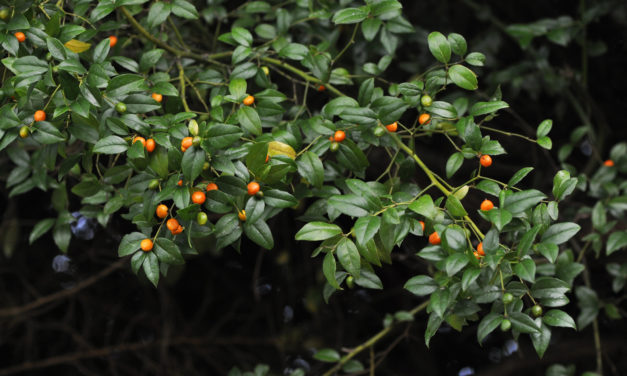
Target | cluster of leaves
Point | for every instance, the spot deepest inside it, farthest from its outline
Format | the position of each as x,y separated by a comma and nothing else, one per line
68,68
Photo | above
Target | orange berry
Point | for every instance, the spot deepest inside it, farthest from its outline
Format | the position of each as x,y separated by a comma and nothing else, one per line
39,115
267,158
242,215
253,188
424,118
321,88
198,197
146,245
331,138
187,143
183,149
480,249
608,163
486,205
20,36
172,224
140,139
113,40
477,255
212,187
162,211
434,238
178,230
249,100
485,160
180,183
150,145
339,136
422,224
158,97
392,127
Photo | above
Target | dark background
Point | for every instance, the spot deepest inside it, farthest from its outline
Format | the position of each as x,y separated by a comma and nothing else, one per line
225,309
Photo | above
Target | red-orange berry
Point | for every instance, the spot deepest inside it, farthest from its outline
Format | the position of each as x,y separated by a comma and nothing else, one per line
485,160
212,187
422,224
20,36
150,145
392,127
39,115
113,40
249,100
480,249
486,205
187,142
198,197
162,211
253,188
140,139
434,238
321,88
608,163
158,97
339,136
424,118
172,224
180,183
146,245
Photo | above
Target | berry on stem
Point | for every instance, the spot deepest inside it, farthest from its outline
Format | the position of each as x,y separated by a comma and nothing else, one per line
113,40
242,215
486,205
162,211
253,188
392,127
157,97
150,145
434,238
140,139
212,187
608,163
172,224
146,245
21,37
339,136
480,250
249,100
198,197
485,160
424,119
39,115
24,131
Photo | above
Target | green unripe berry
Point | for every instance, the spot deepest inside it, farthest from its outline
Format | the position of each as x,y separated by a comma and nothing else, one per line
426,100
205,166
4,14
350,281
506,325
76,169
153,184
508,298
192,127
120,107
536,310
24,131
379,131
196,141
201,218
48,56
334,146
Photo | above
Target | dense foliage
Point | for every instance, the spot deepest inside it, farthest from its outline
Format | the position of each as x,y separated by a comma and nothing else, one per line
118,110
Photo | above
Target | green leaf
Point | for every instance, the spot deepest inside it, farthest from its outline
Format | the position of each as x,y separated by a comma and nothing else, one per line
310,167
556,317
389,109
192,162
499,217
443,109
327,355
103,9
242,36
542,339
111,145
168,252
314,231
482,108
454,239
519,175
475,58
523,323
453,163
563,184
455,207
617,240
518,202
544,128
260,233
545,142
455,262
424,206
487,325
350,15
328,269
560,232
463,77
158,13
526,269
278,198
369,280
439,302
432,327
439,47
351,205
184,9
348,255
366,228
149,59
421,285
254,209
220,136
151,268
489,187
249,120
237,88
549,288
46,133
56,48
130,243
40,229
458,44
125,84
294,51
370,28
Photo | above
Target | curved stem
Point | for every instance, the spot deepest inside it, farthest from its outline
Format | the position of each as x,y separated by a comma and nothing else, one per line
370,342
182,83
